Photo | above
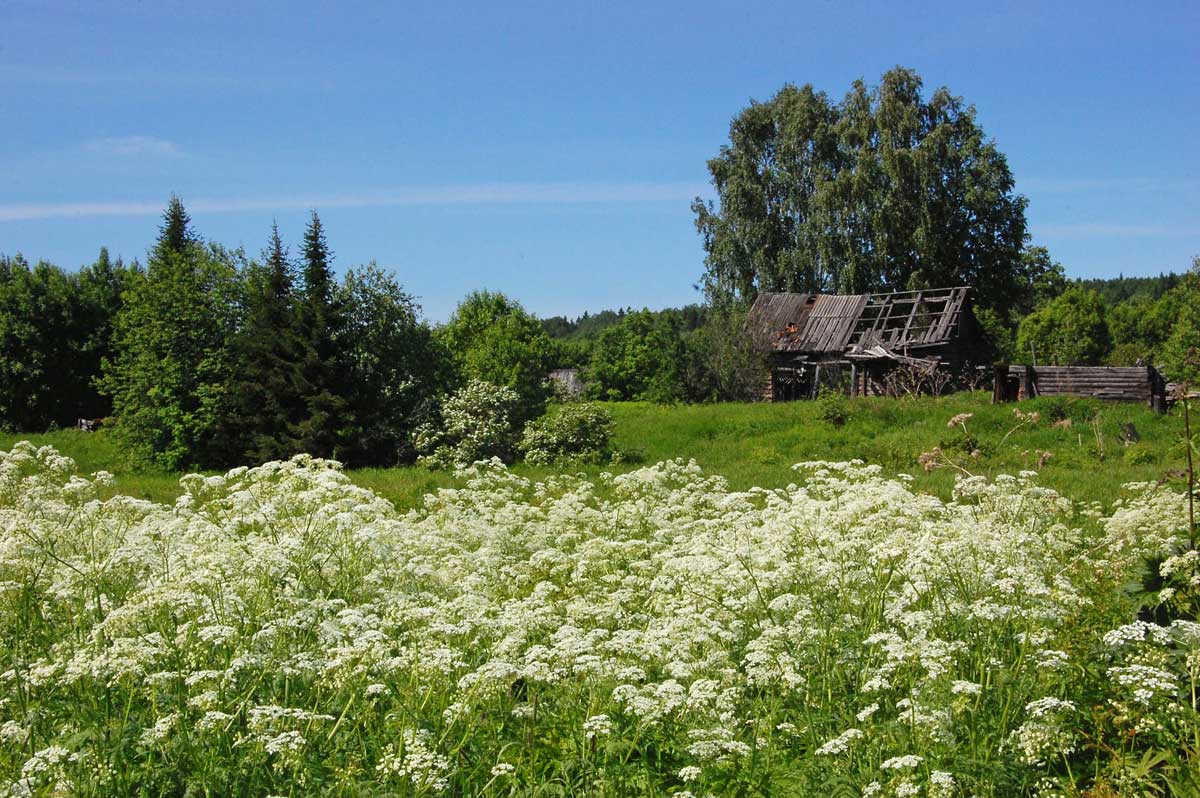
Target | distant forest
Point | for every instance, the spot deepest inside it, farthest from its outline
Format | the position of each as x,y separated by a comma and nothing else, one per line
1117,321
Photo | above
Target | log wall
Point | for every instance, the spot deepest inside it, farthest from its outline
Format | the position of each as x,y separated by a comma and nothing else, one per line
1124,384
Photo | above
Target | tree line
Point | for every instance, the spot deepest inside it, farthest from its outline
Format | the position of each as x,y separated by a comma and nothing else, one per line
208,357
205,357
1120,322
697,353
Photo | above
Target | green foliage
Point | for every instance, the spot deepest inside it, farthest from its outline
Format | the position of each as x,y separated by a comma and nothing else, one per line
578,431
1069,330
833,407
218,362
1120,289
1043,278
168,378
641,358
1179,348
478,422
886,190
1138,455
324,369
1149,321
55,329
723,363
265,392
175,234
491,338
395,365
1077,409
999,334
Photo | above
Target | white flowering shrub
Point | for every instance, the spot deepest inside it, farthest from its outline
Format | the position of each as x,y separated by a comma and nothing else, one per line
478,422
279,631
579,431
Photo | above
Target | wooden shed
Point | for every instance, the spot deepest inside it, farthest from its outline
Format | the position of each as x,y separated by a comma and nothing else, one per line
852,340
1117,383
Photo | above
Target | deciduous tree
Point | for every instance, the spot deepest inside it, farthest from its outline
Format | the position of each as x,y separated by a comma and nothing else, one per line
491,338
1069,330
886,190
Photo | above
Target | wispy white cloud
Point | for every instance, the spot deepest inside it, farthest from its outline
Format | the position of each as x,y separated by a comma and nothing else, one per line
481,194
1112,230
132,147
1089,185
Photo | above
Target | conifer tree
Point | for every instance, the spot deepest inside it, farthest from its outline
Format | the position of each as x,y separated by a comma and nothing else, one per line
175,234
323,365
169,378
265,396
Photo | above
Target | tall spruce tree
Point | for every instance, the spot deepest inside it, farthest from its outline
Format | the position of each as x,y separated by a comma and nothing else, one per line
323,365
176,234
266,402
168,379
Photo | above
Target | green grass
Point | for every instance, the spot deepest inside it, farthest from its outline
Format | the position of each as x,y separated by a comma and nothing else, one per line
755,444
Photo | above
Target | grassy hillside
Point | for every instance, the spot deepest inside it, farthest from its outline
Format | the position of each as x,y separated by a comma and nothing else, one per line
755,444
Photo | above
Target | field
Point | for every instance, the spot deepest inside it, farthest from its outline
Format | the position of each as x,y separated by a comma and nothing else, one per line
839,629
755,444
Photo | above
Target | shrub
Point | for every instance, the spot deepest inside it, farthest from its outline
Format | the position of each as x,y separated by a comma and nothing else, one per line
476,423
1079,409
578,431
833,407
1138,455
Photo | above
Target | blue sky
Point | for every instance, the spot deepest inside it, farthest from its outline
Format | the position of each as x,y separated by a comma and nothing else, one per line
551,150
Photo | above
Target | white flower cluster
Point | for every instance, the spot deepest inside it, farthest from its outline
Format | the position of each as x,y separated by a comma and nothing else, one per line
416,761
1048,730
279,622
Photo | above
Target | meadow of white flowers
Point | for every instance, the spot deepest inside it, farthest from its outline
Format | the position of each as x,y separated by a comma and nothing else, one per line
280,631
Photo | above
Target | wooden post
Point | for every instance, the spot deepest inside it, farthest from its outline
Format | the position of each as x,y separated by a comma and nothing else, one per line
1026,391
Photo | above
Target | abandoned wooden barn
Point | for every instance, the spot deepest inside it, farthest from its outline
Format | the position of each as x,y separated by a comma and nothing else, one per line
852,342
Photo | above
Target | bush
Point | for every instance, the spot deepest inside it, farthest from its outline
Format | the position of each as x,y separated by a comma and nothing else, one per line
476,423
579,431
1138,455
833,407
1079,409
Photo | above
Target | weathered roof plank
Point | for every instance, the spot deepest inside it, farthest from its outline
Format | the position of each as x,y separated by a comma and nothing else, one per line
838,323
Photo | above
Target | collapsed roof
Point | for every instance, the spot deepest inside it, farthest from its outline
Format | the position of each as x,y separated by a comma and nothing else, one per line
897,325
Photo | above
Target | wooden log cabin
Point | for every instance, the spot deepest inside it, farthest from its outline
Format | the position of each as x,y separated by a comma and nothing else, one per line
851,342
1116,383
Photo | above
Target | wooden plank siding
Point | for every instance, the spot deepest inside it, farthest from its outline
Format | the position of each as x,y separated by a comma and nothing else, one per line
1113,383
